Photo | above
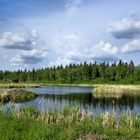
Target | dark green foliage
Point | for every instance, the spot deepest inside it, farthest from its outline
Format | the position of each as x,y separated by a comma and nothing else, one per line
124,73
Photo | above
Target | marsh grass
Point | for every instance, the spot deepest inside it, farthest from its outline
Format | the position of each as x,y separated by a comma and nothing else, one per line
4,95
19,85
67,124
16,95
107,95
115,91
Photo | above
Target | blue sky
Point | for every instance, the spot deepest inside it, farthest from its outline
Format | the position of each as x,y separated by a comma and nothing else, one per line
42,33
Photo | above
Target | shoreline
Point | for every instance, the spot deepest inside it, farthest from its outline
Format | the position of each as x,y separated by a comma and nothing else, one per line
49,84
16,95
97,88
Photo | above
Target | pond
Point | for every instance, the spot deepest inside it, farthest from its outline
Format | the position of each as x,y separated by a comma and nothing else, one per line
56,97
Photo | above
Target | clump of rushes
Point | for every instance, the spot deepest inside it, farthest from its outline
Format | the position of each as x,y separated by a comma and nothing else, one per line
105,118
71,124
4,95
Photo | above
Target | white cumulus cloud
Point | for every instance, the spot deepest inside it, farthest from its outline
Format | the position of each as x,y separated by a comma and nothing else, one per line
132,46
75,49
107,48
33,56
126,28
103,51
11,40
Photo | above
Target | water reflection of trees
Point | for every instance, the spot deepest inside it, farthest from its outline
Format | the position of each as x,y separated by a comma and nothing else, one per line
126,101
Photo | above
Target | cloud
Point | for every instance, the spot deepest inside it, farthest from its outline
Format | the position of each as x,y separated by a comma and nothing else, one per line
132,14
60,61
73,5
132,46
11,40
34,34
106,58
107,47
103,51
75,49
126,28
29,57
68,43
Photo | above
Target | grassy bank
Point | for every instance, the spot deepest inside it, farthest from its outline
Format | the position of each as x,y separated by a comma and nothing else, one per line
19,85
24,85
16,95
115,90
116,86
34,85
98,89
29,124
108,90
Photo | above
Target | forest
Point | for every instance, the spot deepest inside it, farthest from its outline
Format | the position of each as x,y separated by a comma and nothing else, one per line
94,73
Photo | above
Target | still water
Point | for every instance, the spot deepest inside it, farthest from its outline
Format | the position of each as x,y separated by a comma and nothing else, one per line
56,97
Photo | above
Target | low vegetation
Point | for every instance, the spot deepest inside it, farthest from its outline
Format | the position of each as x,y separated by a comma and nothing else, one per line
115,90
18,85
16,95
29,124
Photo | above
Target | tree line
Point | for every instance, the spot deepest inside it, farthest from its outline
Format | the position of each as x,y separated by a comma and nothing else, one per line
121,72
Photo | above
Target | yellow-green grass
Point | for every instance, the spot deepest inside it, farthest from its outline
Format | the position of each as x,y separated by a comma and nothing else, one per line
19,85
71,85
16,95
97,88
115,90
135,88
109,95
107,89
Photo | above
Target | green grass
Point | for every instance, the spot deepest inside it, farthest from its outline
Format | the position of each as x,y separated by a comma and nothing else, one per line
67,124
24,85
19,85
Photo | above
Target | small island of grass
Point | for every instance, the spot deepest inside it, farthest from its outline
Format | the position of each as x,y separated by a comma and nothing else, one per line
16,95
